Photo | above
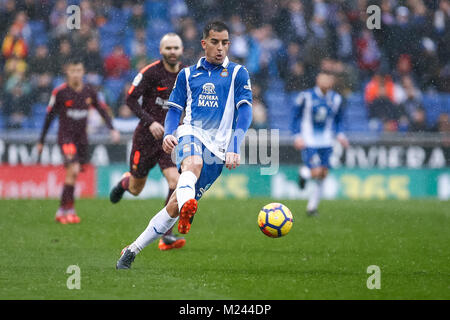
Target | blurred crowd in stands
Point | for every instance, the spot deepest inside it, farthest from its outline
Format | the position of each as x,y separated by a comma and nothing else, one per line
400,72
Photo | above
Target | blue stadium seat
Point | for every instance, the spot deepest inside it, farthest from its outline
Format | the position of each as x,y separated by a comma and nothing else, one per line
156,9
2,122
37,26
355,115
114,87
157,28
38,109
434,106
279,109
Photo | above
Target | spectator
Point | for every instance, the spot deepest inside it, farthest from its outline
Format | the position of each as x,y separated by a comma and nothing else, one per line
381,103
368,53
93,62
239,46
427,65
190,37
81,38
344,45
139,39
63,55
14,44
403,67
418,121
296,79
392,91
7,14
41,62
17,102
43,89
413,100
117,64
58,18
15,66
87,14
137,19
287,61
442,125
140,58
259,109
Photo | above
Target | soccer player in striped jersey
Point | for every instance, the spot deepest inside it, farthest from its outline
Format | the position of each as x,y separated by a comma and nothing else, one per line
216,96
316,124
153,85
71,102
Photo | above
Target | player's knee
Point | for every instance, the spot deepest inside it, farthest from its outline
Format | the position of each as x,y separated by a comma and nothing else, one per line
136,186
72,171
193,163
316,173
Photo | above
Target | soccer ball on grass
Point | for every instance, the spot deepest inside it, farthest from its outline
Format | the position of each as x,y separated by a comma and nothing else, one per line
275,220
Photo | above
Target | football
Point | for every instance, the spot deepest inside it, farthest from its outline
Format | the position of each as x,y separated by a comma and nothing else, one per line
275,220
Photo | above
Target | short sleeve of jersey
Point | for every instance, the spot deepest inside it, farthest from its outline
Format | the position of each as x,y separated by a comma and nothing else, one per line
242,88
178,95
53,104
139,84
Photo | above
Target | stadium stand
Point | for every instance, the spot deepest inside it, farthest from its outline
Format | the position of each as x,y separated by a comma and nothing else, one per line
322,29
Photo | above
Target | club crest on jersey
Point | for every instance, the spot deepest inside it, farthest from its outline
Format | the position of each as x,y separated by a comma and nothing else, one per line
224,73
89,101
209,88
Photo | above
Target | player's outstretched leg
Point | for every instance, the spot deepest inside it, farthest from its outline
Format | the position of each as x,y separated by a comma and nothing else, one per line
117,192
169,240
126,259
158,225
318,176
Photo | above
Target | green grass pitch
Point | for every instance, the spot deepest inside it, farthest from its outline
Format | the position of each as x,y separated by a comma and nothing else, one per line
226,255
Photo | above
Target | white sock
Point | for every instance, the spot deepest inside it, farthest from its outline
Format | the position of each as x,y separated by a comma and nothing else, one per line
314,197
158,225
304,172
185,187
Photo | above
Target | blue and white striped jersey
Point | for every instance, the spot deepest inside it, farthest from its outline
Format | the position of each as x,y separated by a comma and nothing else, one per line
317,117
210,98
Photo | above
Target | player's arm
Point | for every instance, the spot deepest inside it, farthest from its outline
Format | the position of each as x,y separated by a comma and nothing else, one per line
243,96
139,85
102,108
340,135
297,113
177,103
53,109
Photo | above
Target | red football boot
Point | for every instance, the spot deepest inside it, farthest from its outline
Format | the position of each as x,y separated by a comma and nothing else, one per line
186,214
72,217
171,242
61,216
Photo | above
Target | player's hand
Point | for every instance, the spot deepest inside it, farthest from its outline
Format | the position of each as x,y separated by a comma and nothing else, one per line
157,130
343,141
115,136
169,143
39,148
299,143
232,160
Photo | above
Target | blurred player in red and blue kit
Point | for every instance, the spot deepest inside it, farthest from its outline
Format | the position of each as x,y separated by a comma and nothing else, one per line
316,124
71,102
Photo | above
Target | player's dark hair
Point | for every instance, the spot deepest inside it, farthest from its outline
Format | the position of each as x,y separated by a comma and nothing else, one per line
74,60
217,26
